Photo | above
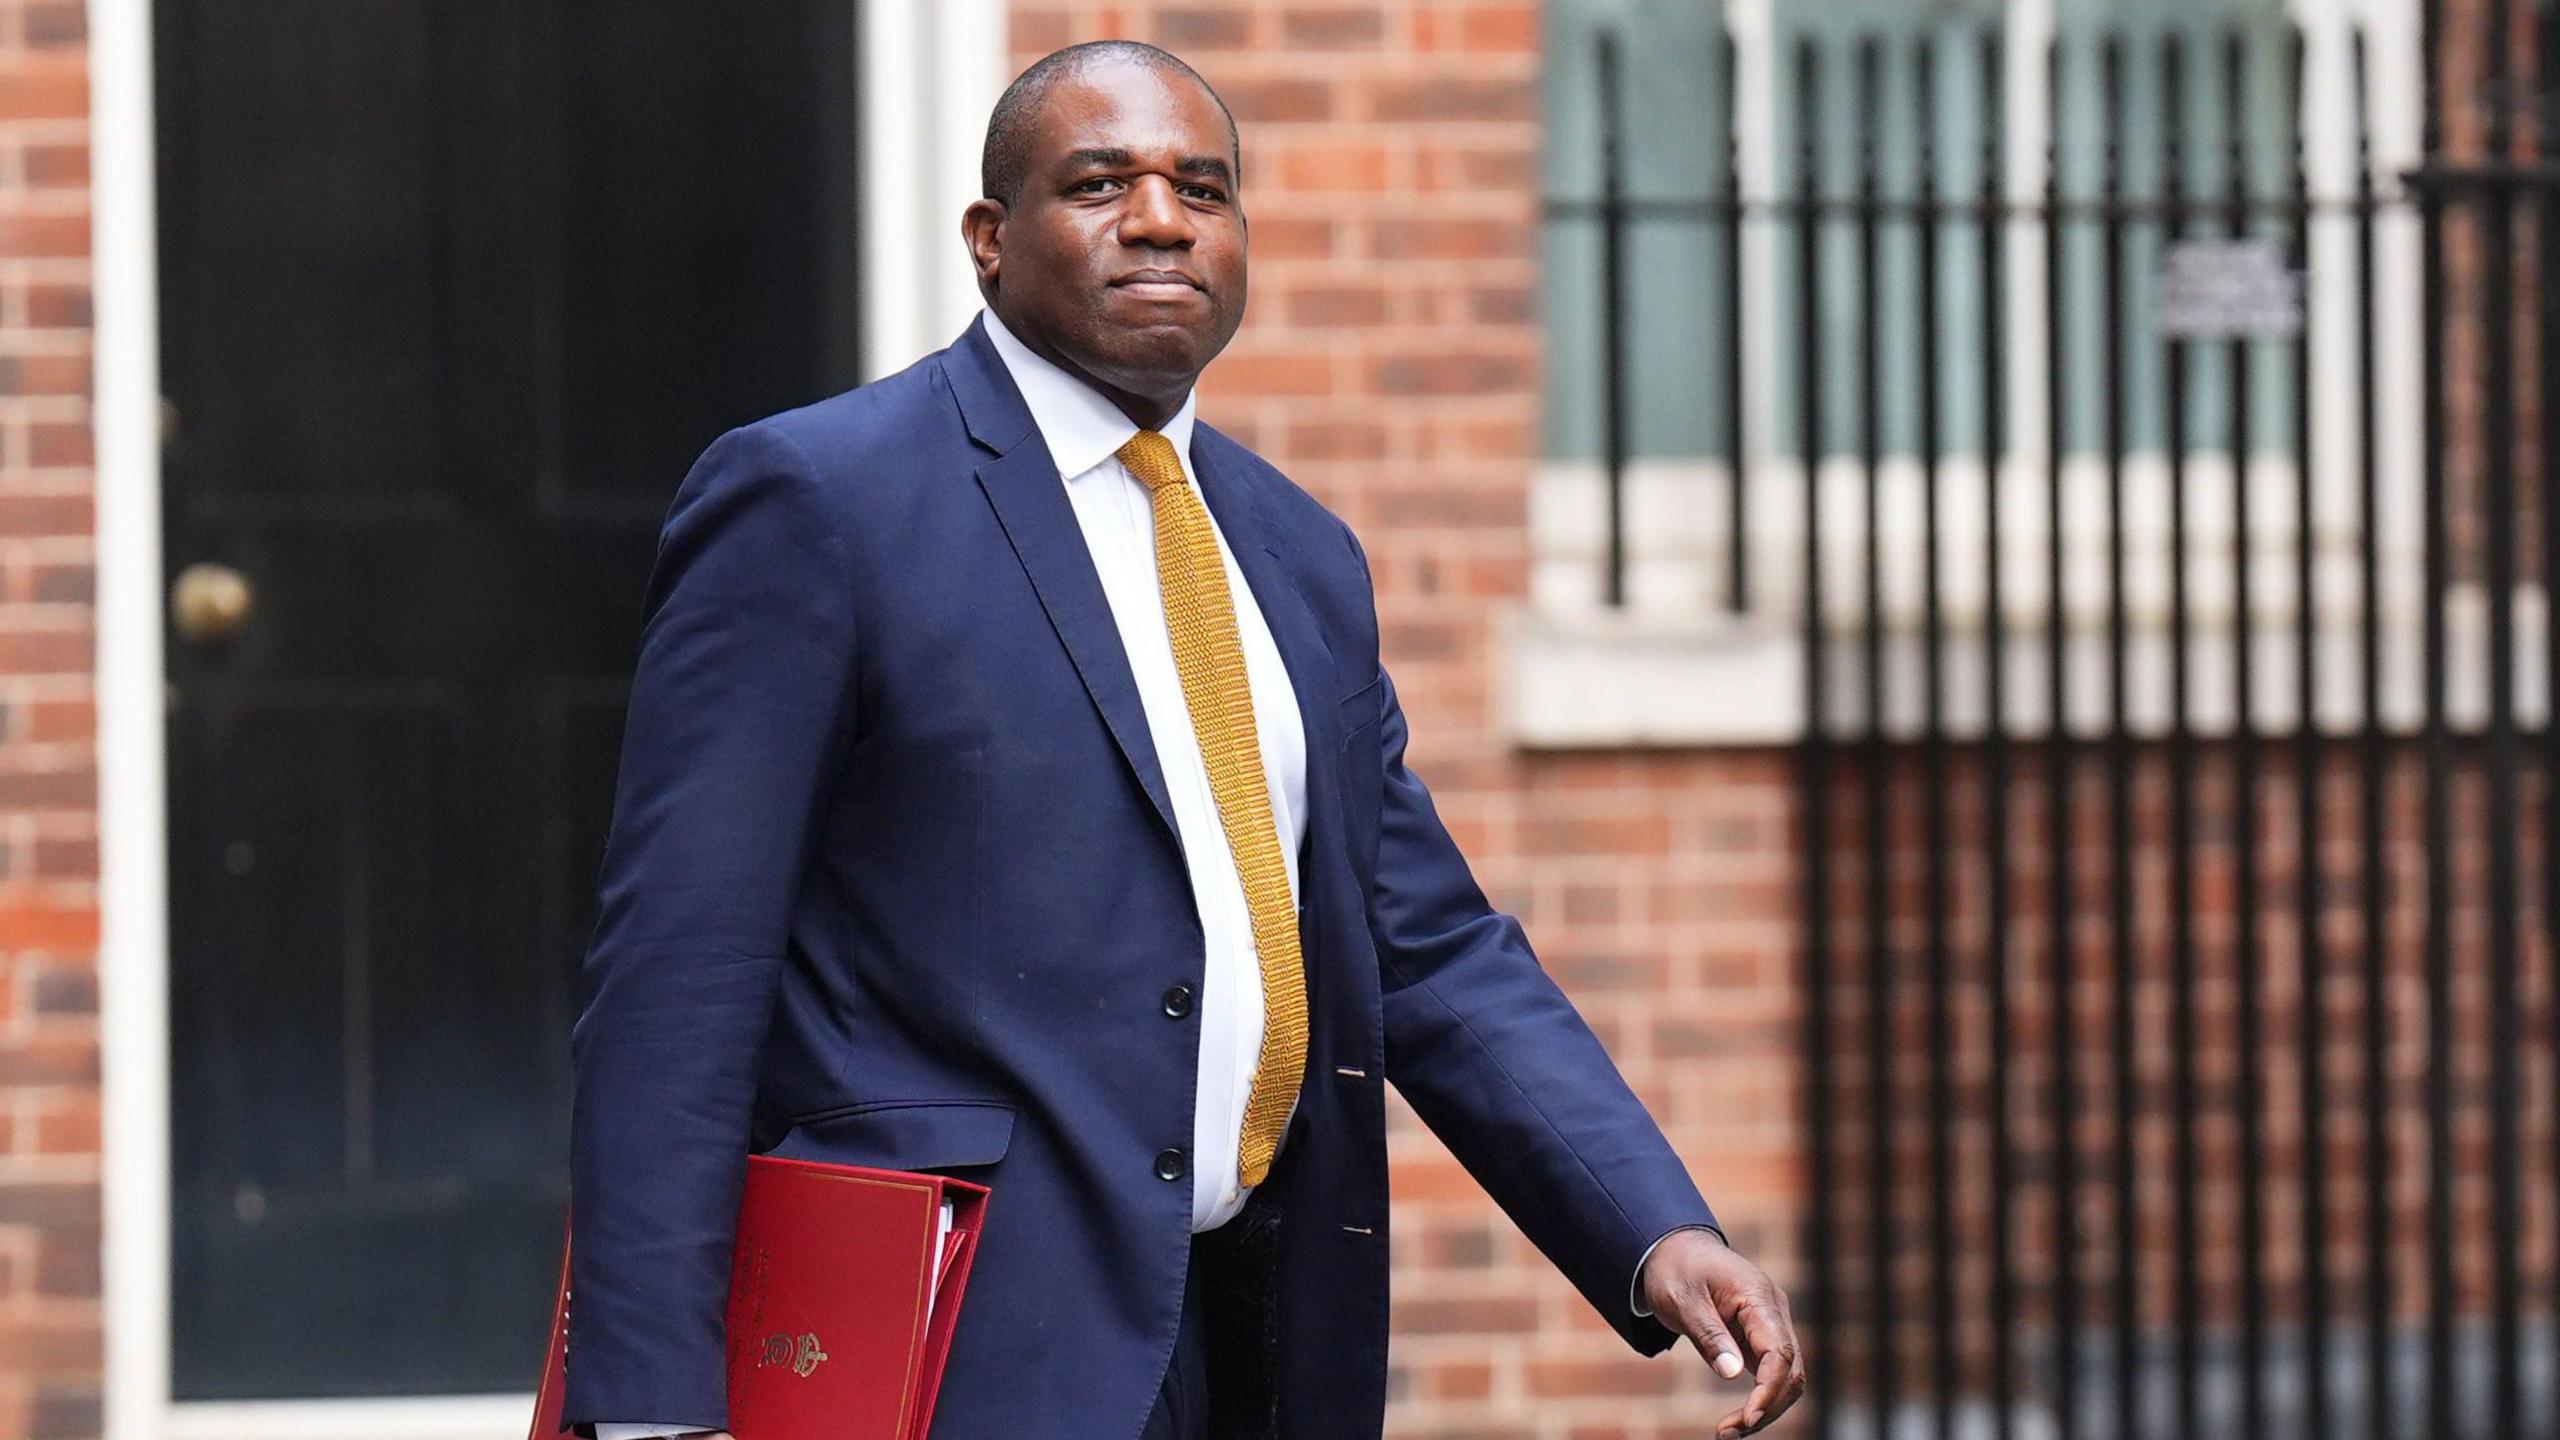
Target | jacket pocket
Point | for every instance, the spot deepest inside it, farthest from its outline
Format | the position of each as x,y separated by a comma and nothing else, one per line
902,1134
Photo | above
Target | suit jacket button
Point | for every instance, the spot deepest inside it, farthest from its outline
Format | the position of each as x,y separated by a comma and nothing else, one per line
1170,1164
1177,1001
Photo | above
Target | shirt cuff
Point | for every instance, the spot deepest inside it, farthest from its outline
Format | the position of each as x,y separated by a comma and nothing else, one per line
1635,1289
619,1430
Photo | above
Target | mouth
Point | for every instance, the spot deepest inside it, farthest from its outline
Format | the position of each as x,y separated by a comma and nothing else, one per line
1158,284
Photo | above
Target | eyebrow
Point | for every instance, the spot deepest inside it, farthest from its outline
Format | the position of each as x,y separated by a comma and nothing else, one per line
1113,155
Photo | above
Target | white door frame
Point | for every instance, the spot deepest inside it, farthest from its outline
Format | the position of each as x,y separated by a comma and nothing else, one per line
931,70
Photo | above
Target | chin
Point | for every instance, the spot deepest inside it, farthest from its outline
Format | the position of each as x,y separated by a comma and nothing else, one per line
1166,352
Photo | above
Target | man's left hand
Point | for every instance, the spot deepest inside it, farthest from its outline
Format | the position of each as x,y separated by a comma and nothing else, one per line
1737,1317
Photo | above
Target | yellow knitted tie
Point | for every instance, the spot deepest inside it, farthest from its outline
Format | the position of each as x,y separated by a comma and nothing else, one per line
1200,616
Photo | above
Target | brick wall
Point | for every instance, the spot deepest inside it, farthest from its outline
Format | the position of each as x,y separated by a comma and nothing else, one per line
2128,1217
1389,361
50,1321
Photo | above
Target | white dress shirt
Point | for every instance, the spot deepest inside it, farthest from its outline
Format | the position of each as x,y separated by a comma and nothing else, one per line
1116,512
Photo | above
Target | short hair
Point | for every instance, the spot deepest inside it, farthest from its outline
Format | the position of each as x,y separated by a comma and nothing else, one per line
1008,147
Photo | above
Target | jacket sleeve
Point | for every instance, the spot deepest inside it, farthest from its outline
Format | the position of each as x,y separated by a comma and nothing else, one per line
1495,1059
1636,1300
740,714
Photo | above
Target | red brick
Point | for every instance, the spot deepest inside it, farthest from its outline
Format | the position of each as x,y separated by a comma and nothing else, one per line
1456,1380
33,923
45,374
58,307
1463,1247
48,1204
1276,102
1502,305
1289,238
1271,373
1437,1179
56,22
29,1344
1427,238
1335,167
61,445
70,1127
62,720
1337,305
64,988
1333,28
66,583
66,1411
1037,30
1452,373
32,516
1205,27
49,651
1439,99
49,1059
24,790
66,859
1600,1379
1481,1315
1512,28
48,84
48,234
57,166
1337,440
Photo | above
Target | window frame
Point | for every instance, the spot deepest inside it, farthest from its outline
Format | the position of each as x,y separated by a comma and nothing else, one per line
1672,665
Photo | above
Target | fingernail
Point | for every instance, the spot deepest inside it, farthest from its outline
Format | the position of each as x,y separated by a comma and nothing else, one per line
1728,1364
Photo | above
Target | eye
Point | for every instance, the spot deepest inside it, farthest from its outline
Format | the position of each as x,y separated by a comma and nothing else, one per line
1207,192
1093,180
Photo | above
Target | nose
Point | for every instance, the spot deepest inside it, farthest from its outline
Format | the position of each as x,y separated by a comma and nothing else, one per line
1155,215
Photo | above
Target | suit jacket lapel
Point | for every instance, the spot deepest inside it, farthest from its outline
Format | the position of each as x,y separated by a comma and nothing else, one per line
1021,482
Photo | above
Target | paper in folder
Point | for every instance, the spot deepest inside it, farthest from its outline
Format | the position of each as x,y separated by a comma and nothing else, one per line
843,1288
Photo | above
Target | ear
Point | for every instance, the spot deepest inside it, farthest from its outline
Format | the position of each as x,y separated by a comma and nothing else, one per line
982,230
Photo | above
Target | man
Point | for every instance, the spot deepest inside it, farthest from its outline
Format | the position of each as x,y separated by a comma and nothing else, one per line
1011,786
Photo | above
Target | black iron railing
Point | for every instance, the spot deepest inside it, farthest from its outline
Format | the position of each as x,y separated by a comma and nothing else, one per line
2178,978
1613,211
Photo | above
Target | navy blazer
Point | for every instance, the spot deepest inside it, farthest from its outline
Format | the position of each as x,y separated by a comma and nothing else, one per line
893,880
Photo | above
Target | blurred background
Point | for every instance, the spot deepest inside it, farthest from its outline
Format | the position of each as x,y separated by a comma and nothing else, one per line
1973,571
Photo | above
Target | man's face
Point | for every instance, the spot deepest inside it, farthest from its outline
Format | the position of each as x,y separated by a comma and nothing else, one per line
1123,257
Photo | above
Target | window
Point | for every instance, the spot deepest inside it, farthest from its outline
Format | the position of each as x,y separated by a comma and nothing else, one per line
1914,103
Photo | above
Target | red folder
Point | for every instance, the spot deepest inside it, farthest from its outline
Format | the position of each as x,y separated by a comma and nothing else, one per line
842,1292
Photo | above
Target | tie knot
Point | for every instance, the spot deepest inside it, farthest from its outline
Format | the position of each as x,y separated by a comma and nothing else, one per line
1149,456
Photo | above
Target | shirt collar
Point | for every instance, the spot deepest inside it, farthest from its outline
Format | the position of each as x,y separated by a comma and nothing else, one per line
1082,427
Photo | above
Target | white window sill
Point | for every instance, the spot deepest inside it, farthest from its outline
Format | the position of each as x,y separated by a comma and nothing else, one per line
1649,678
1621,679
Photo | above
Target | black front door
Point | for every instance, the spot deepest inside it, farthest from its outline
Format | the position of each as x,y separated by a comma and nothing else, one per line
453,292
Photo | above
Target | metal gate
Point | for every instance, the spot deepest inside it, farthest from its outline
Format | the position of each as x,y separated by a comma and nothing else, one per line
2176,896
2175,1076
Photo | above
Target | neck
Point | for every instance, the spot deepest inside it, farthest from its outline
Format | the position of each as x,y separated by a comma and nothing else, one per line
1146,410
